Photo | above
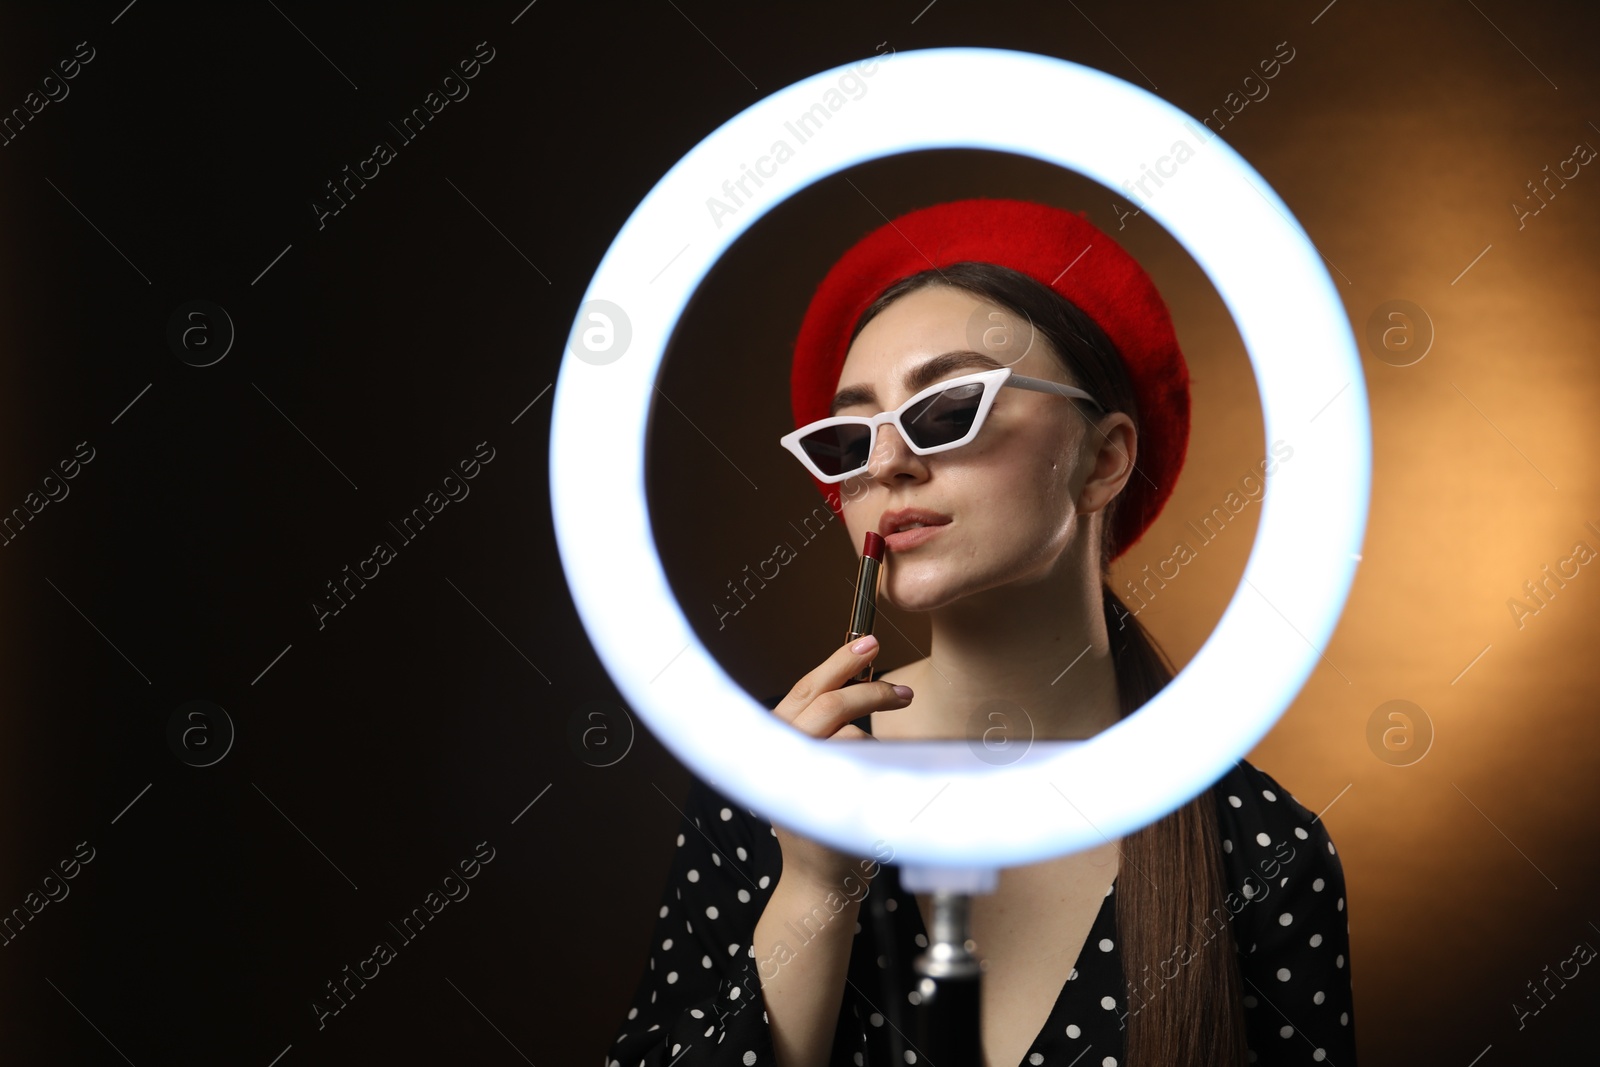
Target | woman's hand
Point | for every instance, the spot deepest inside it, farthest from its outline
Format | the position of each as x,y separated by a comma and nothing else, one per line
822,705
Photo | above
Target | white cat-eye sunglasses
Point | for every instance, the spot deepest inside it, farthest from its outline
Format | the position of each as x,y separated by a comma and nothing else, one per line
943,416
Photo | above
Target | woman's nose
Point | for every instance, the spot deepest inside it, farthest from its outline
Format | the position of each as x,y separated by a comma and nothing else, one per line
891,456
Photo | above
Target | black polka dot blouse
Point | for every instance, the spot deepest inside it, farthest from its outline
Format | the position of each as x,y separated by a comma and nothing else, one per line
699,1002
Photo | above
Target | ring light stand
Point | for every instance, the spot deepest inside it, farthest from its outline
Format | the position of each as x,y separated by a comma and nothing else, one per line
950,973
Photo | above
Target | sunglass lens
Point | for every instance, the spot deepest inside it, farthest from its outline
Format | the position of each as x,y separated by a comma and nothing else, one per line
943,417
838,449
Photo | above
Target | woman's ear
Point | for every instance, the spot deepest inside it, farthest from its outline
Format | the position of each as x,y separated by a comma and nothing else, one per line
1111,448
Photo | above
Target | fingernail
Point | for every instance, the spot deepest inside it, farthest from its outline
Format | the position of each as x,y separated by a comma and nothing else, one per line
866,644
903,692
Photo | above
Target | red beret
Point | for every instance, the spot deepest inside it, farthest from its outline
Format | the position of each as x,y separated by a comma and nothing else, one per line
1041,242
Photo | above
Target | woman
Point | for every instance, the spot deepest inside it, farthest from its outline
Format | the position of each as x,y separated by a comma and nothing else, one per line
1216,935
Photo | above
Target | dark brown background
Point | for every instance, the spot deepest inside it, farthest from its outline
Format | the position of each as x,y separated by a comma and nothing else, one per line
433,311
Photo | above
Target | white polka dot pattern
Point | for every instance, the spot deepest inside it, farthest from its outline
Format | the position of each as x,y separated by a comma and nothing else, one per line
699,1000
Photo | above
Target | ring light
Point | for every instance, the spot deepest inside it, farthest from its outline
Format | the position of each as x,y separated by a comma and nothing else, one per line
951,809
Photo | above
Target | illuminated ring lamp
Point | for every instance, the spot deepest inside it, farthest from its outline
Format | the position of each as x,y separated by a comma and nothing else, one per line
952,819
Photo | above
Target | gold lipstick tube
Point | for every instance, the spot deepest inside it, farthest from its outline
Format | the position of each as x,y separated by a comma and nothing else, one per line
864,612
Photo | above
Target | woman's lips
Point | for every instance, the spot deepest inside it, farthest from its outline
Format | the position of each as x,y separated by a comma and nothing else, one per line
909,539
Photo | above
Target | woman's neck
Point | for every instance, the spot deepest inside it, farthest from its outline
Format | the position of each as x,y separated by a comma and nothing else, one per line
1037,654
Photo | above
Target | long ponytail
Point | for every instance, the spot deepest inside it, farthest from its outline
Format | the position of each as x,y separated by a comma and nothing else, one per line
1171,889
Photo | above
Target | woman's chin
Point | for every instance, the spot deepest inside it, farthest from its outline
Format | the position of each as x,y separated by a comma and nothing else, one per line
921,597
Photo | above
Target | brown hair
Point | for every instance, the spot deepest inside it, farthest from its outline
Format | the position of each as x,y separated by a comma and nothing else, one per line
1176,888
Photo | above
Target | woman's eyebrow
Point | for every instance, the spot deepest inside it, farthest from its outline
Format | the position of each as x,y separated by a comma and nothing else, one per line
917,378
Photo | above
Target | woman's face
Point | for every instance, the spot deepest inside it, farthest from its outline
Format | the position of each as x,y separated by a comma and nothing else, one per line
1017,496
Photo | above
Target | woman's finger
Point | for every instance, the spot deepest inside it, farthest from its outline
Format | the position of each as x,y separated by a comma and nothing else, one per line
831,712
827,676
